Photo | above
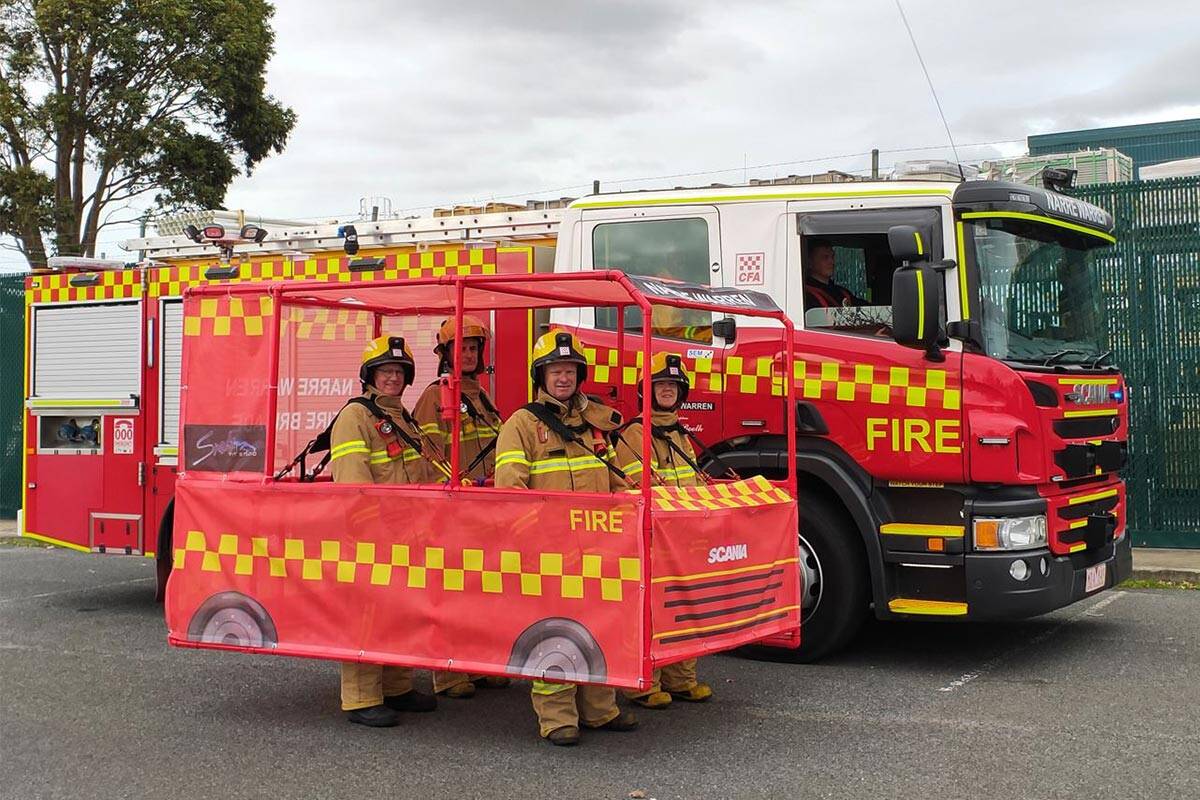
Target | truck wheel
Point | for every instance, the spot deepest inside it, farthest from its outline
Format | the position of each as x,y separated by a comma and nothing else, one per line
232,618
164,555
836,583
558,650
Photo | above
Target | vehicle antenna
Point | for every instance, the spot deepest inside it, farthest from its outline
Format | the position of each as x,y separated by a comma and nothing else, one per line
932,91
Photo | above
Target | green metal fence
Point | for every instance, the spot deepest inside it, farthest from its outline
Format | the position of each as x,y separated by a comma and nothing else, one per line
12,389
1151,281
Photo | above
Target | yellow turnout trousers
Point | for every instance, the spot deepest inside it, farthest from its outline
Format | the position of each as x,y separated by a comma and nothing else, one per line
677,677
559,705
365,685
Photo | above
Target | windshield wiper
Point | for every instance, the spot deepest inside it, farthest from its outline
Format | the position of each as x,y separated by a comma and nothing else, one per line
1060,354
1096,361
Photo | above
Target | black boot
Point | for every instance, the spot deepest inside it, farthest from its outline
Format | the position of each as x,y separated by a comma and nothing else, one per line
411,701
567,736
374,716
625,721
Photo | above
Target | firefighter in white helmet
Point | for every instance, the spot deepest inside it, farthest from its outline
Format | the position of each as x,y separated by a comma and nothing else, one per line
560,443
374,440
674,464
479,425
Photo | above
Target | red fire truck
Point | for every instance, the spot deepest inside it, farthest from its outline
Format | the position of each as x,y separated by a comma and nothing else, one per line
964,467
581,586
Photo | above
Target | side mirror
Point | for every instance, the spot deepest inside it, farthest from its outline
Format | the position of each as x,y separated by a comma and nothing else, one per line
906,243
726,328
916,306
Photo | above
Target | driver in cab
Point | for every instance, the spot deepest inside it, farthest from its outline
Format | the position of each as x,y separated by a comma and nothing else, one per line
820,289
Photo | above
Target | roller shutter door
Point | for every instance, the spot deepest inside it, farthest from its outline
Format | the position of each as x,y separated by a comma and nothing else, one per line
172,359
87,351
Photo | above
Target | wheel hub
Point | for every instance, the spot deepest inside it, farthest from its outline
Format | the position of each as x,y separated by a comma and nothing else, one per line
811,585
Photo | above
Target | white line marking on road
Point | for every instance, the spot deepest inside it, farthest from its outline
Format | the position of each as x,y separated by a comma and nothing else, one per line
1105,603
73,591
989,665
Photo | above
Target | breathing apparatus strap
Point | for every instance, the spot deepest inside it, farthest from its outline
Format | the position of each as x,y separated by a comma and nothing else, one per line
571,433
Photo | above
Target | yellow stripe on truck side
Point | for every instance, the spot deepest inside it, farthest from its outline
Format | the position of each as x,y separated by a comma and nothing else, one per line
964,298
918,529
920,305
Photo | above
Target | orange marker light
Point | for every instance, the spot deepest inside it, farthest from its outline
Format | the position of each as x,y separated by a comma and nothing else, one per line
987,534
935,544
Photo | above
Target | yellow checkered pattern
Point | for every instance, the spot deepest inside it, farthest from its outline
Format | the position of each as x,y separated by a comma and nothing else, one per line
872,383
120,284
222,316
427,264
329,324
398,566
171,281
756,491
815,380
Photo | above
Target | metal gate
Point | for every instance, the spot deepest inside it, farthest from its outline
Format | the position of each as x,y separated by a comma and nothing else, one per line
1152,285
12,388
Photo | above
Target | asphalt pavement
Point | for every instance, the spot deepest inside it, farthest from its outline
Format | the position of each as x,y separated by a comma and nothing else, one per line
1098,700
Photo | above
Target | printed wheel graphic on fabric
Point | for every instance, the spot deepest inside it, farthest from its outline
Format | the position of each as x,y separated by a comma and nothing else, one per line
558,649
232,618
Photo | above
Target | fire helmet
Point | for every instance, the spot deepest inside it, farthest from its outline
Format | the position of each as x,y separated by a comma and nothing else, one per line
668,367
386,350
553,347
473,328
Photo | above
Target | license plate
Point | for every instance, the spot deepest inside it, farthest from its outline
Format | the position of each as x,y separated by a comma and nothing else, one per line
1095,578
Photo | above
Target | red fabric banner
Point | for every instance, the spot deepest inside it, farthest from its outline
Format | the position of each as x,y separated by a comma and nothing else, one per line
480,580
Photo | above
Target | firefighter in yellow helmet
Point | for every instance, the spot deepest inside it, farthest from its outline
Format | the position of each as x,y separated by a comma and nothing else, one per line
674,464
479,425
372,441
559,442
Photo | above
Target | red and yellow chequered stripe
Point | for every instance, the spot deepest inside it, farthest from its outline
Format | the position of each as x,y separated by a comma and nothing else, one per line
117,284
405,566
328,324
171,281
843,381
223,316
427,264
755,491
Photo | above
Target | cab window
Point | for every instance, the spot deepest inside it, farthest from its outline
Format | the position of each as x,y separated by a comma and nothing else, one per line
846,267
668,248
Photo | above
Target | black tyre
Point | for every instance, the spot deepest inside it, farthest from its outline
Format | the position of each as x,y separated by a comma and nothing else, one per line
835,593
164,554
558,650
232,618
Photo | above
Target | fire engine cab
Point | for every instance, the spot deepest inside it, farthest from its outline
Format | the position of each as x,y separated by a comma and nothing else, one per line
961,427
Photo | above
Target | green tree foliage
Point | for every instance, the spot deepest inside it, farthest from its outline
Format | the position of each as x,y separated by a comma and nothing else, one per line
104,101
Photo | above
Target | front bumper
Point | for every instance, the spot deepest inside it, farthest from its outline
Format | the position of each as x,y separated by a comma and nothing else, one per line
992,593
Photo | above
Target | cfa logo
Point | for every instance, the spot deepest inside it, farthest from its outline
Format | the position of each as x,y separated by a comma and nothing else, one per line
728,552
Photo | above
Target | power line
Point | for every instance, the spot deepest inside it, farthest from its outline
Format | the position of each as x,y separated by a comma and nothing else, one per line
932,91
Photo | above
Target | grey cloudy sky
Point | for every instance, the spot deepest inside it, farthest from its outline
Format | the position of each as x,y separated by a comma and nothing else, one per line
429,103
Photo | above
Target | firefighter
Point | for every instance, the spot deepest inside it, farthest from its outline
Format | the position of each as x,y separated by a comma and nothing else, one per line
820,289
674,464
560,443
479,427
372,442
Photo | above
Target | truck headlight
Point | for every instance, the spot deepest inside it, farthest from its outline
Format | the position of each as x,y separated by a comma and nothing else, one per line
1009,533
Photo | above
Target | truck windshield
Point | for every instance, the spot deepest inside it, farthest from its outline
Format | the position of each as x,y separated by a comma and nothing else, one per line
1040,294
